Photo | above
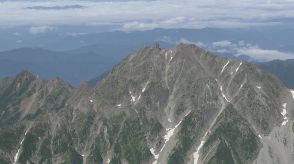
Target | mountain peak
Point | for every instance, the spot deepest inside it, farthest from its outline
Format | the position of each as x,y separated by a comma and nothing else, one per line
166,85
57,81
24,78
25,74
174,105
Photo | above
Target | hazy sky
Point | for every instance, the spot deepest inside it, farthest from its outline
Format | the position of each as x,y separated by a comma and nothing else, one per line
142,15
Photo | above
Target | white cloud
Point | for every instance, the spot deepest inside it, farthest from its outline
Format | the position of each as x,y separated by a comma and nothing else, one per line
168,23
66,7
239,48
198,43
170,40
253,51
130,26
224,43
40,29
166,39
265,55
142,15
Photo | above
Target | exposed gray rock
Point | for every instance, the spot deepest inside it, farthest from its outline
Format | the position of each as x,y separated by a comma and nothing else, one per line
179,105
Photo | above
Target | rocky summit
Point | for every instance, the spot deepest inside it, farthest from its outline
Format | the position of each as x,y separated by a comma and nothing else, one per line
158,106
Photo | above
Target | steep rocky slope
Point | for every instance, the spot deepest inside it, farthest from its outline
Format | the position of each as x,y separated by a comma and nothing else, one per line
179,105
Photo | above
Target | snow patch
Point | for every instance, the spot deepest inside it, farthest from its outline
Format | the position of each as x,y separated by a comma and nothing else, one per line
285,121
84,158
152,150
143,90
118,105
196,154
242,85
284,105
134,99
224,96
91,101
284,113
239,66
145,86
171,58
292,91
169,55
225,67
258,87
170,132
139,97
18,151
260,136
156,156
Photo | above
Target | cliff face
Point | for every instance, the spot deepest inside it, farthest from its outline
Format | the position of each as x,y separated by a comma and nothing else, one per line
179,105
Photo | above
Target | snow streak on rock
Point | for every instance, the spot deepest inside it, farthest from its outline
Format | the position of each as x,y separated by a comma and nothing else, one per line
241,86
169,54
145,86
170,132
225,67
84,158
224,96
239,66
171,58
284,113
18,151
292,91
196,154
152,150
134,99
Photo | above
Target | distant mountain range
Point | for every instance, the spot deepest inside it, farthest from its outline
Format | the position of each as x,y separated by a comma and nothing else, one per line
70,38
84,63
158,105
72,67
282,69
78,54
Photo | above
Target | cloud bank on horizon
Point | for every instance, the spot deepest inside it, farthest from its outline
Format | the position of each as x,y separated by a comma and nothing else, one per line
253,51
145,15
238,49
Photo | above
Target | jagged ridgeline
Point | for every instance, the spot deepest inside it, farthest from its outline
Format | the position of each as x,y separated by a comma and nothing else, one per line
178,105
